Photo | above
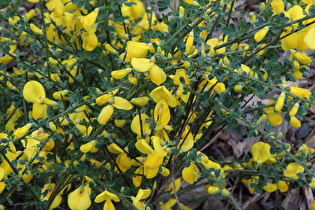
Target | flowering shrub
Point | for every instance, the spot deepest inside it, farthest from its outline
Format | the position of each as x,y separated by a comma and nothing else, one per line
108,102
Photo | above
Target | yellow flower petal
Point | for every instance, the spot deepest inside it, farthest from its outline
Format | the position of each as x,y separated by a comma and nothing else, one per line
36,30
119,74
123,162
144,147
162,114
56,6
105,114
141,101
90,41
137,49
190,174
260,152
33,92
134,11
141,64
89,20
39,111
20,132
274,119
277,6
114,148
79,199
157,146
261,34
309,39
142,194
301,92
292,170
280,102
294,122
161,93
106,195
270,187
121,103
157,75
136,127
153,161
108,205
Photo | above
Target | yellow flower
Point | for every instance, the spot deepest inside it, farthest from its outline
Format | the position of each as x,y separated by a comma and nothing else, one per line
294,122
105,114
39,111
214,42
187,140
168,205
301,92
302,57
161,93
108,111
192,3
260,152
135,11
157,75
142,194
312,184
141,101
270,187
109,48
273,117
88,147
292,170
162,114
212,190
180,77
47,191
119,122
107,197
280,102
277,6
114,148
190,174
155,156
61,95
294,109
36,30
56,6
79,199
248,182
174,186
121,103
90,40
309,39
208,163
141,64
137,49
34,92
261,34
137,180
123,162
143,128
20,132
119,74
282,186
103,99
189,45
89,20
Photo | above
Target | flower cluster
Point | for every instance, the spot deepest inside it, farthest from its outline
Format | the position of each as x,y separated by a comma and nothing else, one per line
111,102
